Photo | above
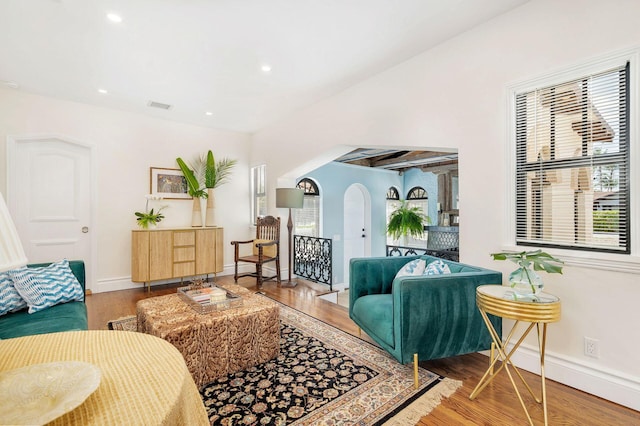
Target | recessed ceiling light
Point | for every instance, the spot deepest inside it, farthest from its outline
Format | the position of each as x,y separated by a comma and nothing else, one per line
208,113
103,91
266,68
113,17
154,104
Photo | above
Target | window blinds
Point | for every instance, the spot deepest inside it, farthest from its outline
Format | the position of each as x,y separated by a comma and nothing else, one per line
572,164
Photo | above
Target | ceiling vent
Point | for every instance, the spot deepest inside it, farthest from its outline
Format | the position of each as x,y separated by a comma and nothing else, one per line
154,104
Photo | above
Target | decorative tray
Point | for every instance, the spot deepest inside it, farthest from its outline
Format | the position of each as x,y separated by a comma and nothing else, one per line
209,299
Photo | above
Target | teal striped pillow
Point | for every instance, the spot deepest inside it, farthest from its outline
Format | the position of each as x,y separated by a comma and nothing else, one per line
10,300
437,267
44,287
412,268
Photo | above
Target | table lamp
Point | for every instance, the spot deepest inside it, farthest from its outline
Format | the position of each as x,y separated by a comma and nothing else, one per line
11,252
291,198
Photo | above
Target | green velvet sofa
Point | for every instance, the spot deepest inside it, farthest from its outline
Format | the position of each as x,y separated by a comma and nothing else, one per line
434,316
68,316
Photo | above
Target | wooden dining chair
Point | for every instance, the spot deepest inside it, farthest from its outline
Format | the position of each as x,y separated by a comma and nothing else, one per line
265,249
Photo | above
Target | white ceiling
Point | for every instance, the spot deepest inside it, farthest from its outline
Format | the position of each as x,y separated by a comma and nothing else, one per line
206,55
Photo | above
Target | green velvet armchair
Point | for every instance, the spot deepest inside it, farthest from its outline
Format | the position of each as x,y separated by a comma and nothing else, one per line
433,316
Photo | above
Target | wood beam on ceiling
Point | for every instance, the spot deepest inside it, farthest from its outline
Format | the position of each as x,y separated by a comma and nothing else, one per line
439,168
410,156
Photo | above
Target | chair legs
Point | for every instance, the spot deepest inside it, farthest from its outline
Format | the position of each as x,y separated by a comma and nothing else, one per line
259,276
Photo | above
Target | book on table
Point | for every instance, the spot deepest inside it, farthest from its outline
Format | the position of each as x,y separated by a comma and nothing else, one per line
207,294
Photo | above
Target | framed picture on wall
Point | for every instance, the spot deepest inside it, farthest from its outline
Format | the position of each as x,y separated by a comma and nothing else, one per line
169,183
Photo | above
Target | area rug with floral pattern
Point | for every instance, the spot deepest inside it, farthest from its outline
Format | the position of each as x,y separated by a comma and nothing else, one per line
322,376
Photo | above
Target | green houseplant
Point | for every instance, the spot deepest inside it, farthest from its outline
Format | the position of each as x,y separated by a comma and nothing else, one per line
525,281
407,220
211,174
215,174
194,190
149,218
205,174
193,185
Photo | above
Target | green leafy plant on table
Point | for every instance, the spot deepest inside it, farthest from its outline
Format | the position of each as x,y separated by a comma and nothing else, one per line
150,217
525,281
193,185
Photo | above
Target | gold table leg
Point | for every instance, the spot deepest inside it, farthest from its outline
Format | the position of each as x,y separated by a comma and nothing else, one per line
505,357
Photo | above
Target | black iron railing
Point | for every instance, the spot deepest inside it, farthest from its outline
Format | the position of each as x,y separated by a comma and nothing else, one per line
451,254
312,259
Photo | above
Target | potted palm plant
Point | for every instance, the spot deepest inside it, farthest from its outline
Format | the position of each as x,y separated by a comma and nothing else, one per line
194,190
525,281
215,174
406,220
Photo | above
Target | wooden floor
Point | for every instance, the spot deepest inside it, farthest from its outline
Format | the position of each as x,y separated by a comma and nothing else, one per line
496,405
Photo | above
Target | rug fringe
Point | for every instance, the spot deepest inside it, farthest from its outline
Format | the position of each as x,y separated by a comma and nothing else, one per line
425,404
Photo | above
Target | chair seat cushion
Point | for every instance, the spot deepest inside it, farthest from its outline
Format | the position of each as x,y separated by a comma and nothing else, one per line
254,259
376,311
268,251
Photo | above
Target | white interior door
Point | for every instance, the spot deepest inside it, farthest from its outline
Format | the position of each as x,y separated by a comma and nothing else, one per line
356,225
50,198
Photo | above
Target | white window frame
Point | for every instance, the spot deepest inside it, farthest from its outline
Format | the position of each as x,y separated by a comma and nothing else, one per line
391,205
597,260
258,173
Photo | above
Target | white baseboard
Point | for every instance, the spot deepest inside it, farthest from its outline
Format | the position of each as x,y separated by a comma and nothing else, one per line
330,297
614,386
125,283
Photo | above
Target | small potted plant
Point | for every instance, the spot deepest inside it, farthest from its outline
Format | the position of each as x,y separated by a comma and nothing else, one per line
525,281
407,220
150,218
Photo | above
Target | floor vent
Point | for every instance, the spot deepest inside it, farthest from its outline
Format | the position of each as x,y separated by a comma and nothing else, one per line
154,104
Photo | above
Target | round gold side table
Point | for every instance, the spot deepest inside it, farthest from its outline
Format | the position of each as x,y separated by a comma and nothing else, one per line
538,311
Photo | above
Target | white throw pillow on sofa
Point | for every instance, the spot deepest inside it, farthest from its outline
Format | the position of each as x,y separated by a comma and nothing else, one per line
10,299
437,267
47,286
412,268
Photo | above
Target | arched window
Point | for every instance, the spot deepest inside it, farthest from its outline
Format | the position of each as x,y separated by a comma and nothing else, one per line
417,193
307,219
393,194
393,202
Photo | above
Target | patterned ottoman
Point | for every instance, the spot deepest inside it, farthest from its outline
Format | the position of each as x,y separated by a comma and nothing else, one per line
217,343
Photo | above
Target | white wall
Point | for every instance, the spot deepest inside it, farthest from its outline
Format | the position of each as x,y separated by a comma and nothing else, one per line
454,96
127,145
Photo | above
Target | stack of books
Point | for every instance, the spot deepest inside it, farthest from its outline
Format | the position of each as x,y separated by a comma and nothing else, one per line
207,295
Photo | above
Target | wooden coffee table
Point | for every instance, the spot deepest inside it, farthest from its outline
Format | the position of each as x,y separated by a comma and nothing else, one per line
218,343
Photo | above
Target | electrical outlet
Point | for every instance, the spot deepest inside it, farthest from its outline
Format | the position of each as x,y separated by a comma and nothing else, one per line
591,347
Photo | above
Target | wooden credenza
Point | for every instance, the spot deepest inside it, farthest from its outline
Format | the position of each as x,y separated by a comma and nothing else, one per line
162,254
